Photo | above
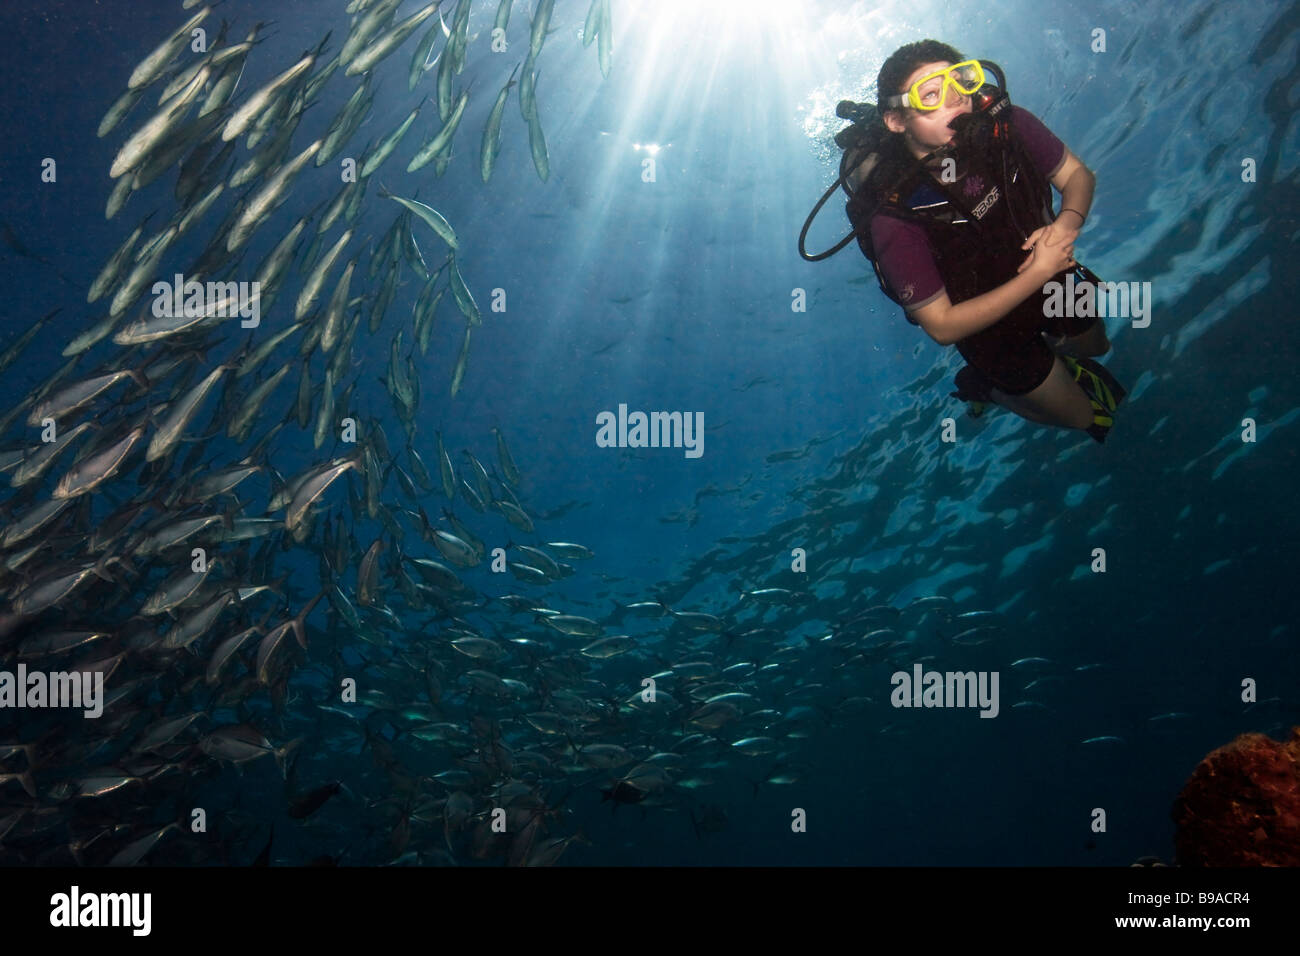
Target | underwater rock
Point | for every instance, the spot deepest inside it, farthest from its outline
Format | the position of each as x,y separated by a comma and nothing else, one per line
1241,806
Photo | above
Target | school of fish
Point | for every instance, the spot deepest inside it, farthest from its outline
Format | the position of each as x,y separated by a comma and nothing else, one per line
281,578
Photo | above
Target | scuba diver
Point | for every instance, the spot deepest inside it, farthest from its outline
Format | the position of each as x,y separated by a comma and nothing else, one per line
950,201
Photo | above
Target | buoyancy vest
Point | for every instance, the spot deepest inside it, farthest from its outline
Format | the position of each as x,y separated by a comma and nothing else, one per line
974,225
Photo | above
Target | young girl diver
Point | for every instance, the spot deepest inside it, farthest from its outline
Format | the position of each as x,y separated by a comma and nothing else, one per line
951,203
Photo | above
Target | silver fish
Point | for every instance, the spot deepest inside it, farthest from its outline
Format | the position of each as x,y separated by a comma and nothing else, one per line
311,289
462,360
152,66
268,198
89,473
431,216
311,489
442,139
258,102
157,128
378,50
492,131
181,414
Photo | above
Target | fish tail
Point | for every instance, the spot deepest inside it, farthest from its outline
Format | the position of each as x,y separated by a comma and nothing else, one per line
28,782
572,746
300,622
101,569
282,754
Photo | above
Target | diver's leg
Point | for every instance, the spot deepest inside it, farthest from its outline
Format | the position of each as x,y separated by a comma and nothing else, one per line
1086,344
1017,404
1058,401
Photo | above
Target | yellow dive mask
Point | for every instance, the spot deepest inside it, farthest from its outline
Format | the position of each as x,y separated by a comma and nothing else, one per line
931,91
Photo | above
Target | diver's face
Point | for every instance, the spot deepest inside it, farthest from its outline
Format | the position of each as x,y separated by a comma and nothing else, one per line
927,130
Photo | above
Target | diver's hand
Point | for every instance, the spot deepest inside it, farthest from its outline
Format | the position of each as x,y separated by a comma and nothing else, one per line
1047,260
1061,231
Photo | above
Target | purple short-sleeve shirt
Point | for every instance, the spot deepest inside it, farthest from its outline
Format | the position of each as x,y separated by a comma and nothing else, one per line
902,251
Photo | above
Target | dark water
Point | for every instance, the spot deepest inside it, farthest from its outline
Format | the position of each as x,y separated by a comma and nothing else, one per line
676,295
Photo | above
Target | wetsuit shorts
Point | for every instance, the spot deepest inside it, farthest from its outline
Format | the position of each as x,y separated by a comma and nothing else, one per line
1011,353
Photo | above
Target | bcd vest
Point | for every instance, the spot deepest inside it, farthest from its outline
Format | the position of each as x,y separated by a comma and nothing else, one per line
976,225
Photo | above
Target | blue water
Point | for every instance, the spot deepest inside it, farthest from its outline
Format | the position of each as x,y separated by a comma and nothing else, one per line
1198,528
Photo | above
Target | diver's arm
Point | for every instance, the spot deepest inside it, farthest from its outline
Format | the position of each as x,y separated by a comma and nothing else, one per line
947,323
1076,183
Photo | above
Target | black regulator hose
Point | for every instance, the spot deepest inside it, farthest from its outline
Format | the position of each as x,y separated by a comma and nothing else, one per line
860,114
807,223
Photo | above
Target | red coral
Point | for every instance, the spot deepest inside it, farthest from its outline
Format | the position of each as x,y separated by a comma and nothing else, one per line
1241,806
